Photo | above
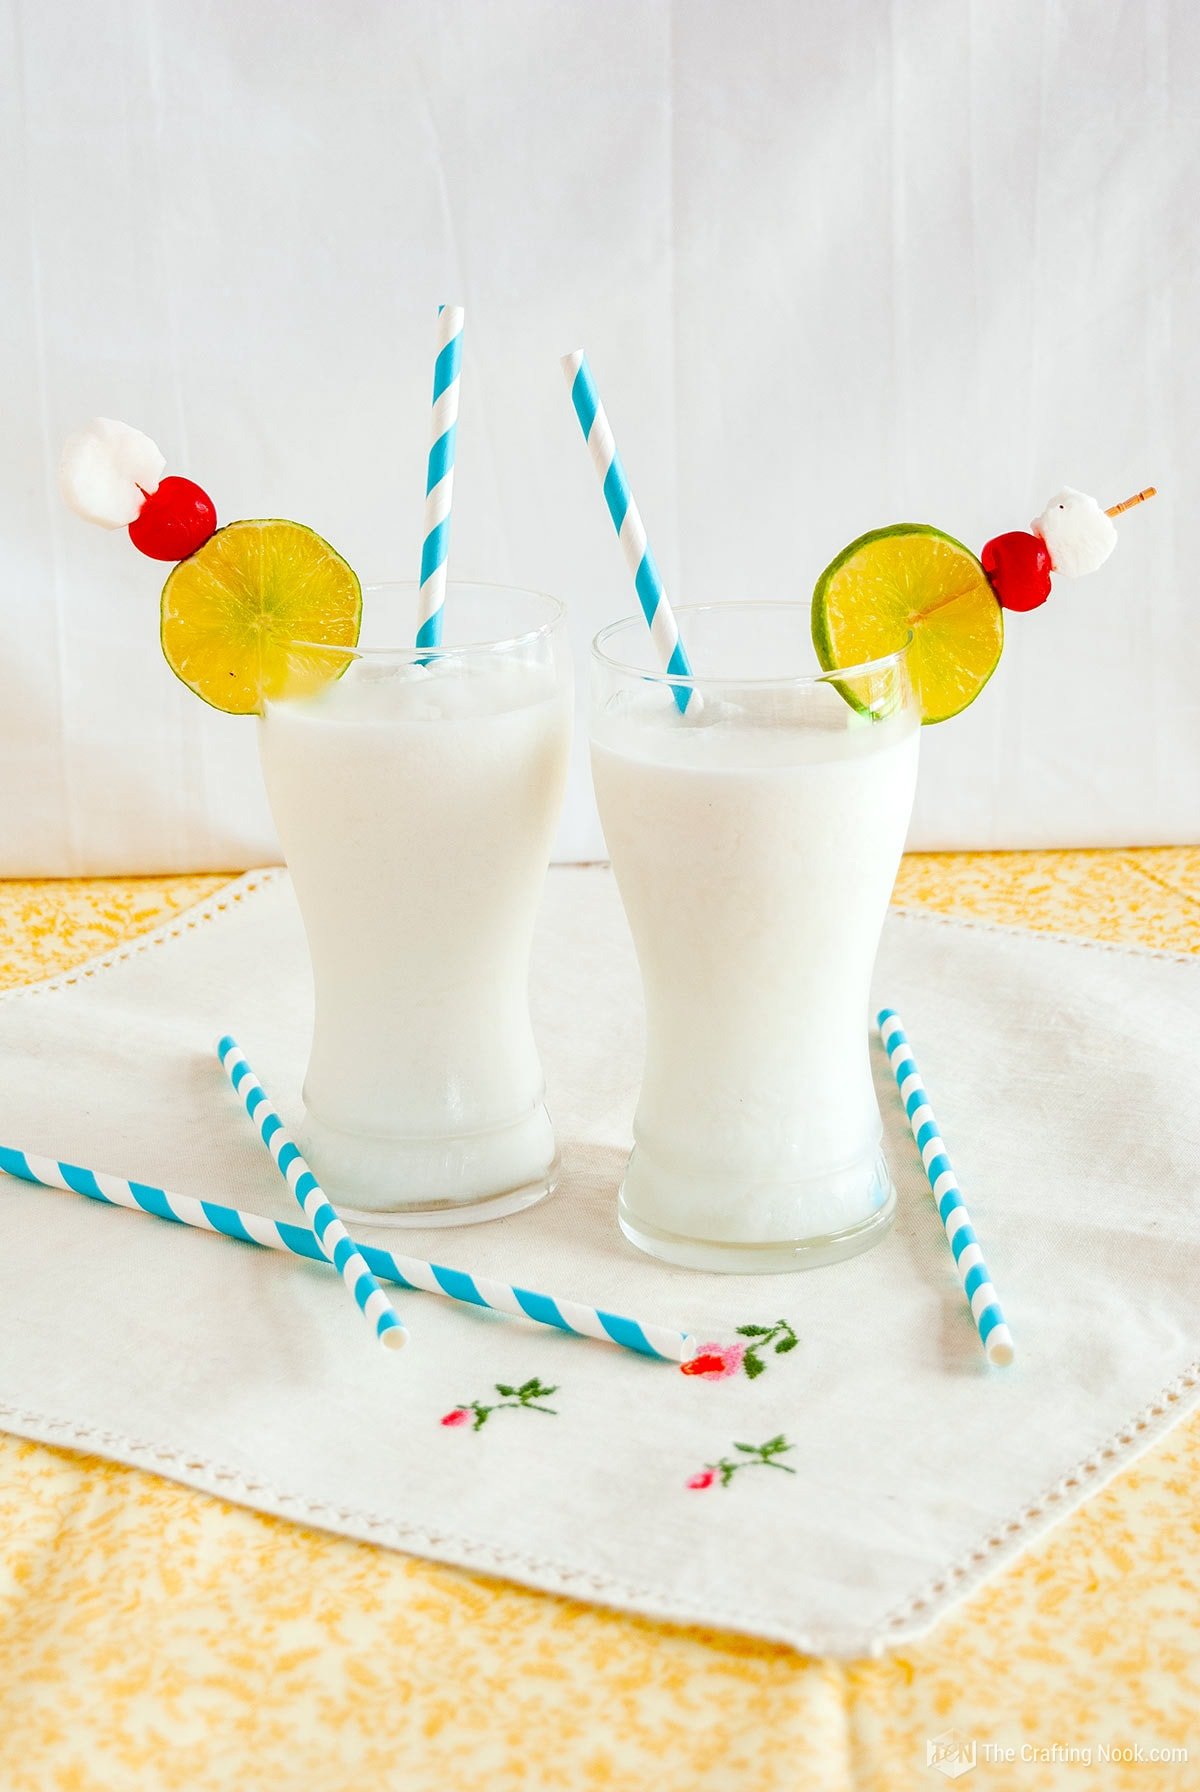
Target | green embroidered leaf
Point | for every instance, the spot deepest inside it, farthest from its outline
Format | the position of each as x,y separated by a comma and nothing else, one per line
753,1365
760,1456
753,1331
502,1388
788,1343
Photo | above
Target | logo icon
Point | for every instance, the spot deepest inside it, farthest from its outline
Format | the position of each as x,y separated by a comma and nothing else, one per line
951,1753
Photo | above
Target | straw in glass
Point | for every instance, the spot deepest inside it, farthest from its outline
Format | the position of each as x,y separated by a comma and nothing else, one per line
404,1272
336,1244
627,521
973,1271
439,477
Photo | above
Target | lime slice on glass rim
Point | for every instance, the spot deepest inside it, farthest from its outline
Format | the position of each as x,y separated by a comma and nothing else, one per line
260,612
911,577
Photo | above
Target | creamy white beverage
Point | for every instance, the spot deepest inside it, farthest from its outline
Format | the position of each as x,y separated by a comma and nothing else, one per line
755,844
416,805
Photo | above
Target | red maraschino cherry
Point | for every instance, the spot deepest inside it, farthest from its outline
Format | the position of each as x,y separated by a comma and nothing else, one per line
1018,569
174,521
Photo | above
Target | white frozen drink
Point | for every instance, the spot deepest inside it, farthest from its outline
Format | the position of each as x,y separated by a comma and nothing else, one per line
755,845
416,805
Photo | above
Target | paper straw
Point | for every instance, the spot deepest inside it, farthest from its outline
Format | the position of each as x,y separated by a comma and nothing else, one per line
627,521
439,477
336,1243
973,1272
404,1272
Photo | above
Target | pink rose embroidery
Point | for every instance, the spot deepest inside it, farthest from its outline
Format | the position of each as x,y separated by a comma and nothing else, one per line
748,1456
716,1362
529,1397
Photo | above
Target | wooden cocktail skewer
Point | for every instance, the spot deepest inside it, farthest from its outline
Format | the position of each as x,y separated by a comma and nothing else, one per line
1151,491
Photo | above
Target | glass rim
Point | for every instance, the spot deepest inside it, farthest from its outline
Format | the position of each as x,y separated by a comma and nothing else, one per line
702,680
492,644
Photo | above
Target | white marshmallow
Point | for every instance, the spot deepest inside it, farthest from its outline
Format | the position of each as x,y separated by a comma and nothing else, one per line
107,471
1077,532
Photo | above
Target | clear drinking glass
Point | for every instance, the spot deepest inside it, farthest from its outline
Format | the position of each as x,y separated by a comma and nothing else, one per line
755,841
416,797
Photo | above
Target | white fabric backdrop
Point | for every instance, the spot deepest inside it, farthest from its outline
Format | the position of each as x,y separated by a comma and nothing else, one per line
835,266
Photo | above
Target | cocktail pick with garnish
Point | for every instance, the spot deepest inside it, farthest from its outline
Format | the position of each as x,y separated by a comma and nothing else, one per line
112,475
1072,536
256,610
911,578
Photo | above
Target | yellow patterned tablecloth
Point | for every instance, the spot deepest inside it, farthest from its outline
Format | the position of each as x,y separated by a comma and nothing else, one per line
153,1638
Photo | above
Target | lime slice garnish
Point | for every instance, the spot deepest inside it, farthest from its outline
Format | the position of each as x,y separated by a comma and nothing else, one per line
912,577
259,612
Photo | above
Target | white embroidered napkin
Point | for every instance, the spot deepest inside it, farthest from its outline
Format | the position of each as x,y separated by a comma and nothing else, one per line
839,1498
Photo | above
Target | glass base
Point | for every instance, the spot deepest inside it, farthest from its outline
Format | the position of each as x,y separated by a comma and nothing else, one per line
381,1181
771,1256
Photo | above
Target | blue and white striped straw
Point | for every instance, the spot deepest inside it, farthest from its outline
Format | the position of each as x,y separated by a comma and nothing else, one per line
973,1272
336,1243
298,1241
627,521
439,477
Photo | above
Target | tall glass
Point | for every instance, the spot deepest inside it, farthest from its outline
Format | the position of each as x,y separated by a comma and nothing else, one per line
416,798
755,841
